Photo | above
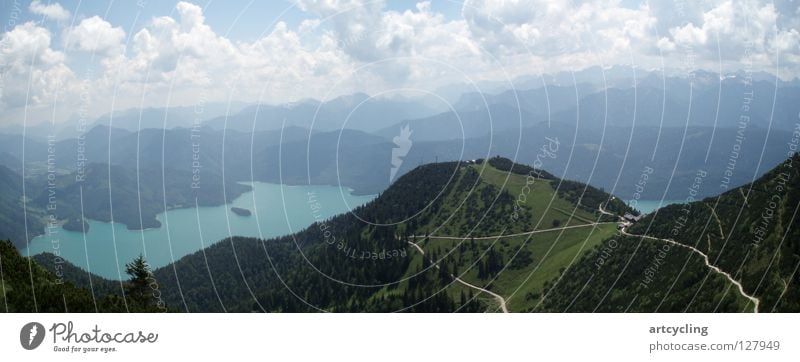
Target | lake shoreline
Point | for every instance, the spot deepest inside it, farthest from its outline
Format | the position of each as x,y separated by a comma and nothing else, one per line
649,206
183,231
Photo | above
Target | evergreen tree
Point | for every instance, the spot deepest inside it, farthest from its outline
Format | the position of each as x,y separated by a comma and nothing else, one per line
138,288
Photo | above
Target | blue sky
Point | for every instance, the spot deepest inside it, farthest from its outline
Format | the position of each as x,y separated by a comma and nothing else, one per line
253,16
241,19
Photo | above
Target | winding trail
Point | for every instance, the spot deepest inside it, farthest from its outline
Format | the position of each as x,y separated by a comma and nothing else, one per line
735,282
496,296
756,302
510,235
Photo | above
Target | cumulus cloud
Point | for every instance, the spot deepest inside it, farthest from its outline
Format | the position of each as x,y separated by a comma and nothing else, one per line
356,24
719,33
32,72
53,11
94,35
557,28
183,52
736,32
382,43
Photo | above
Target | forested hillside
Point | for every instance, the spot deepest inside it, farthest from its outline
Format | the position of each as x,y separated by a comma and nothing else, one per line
12,212
750,233
497,236
365,260
28,287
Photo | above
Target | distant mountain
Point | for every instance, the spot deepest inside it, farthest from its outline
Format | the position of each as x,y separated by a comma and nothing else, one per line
749,233
8,160
477,115
131,120
606,138
655,103
348,158
12,212
619,76
355,112
539,101
463,124
120,194
614,158
35,149
136,119
363,159
152,171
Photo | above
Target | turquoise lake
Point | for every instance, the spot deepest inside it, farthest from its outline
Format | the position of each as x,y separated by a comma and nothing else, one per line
648,206
276,210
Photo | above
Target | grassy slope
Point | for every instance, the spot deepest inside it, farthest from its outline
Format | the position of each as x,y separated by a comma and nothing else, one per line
521,282
541,199
531,260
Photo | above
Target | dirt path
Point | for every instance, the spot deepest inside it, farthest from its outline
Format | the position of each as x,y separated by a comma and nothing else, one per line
510,235
738,285
604,212
496,296
719,223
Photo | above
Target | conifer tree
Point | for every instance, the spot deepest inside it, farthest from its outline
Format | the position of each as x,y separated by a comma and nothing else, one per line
138,287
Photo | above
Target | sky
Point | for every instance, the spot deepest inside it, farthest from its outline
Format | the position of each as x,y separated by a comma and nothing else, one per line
62,60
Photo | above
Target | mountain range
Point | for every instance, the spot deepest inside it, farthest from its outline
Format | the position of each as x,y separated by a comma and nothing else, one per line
612,158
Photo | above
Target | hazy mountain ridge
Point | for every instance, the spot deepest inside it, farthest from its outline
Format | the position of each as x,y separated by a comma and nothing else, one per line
608,132
357,111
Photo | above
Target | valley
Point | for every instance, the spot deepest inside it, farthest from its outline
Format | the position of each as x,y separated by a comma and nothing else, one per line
504,202
486,235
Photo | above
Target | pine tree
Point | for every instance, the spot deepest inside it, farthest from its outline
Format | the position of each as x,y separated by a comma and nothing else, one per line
138,287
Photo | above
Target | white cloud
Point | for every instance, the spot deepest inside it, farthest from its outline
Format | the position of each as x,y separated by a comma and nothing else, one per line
53,11
184,54
32,73
394,48
94,35
734,33
557,28
348,46
719,33
356,24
